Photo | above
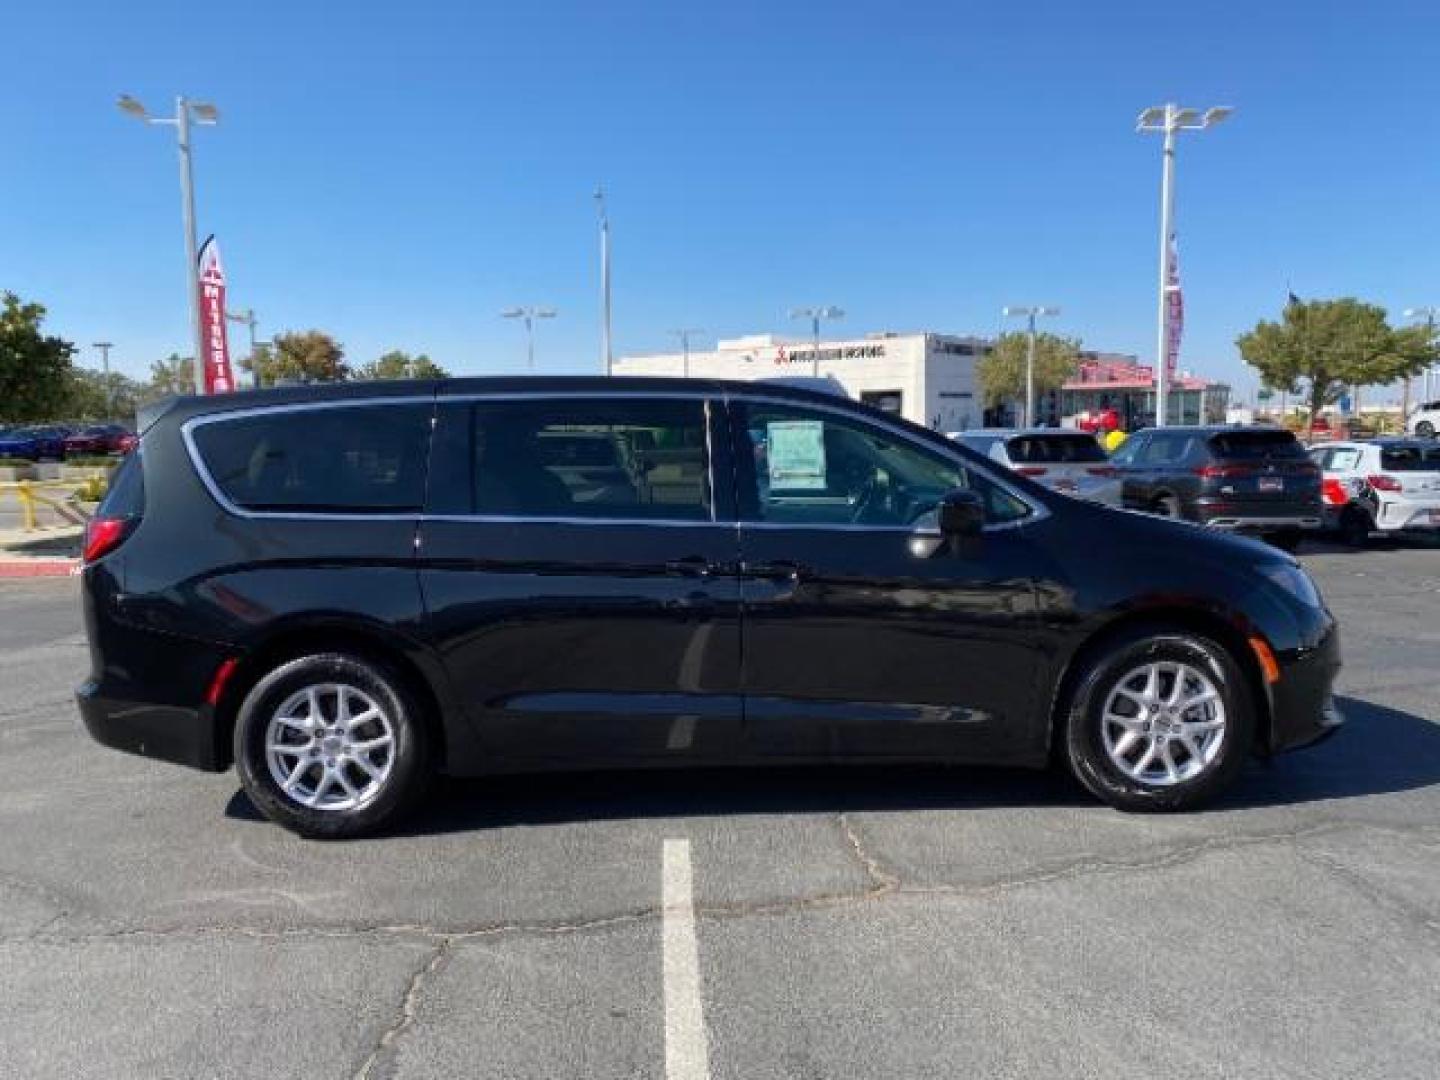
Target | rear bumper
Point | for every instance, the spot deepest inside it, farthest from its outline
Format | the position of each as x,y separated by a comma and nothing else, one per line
1302,702
184,735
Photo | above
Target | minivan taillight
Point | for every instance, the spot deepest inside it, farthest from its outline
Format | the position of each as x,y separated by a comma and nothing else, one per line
1381,482
1335,492
1102,470
1030,470
1209,472
104,534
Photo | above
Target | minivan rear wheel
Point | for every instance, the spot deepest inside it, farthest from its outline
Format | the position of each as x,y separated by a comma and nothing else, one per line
1167,506
1159,720
330,746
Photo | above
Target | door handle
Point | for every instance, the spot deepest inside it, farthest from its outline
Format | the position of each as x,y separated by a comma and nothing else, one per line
696,566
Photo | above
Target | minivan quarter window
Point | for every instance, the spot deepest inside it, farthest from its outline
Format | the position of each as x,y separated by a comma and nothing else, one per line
590,458
346,459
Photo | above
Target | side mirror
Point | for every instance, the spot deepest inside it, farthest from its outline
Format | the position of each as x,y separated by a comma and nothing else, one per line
961,513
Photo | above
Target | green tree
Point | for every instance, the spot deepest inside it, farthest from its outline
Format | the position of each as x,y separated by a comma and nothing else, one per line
1002,370
35,370
97,396
302,356
1331,345
396,364
173,375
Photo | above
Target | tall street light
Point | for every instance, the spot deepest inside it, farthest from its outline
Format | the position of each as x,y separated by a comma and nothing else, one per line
605,352
248,319
1429,315
186,113
1169,120
684,336
815,314
529,314
105,347
1030,313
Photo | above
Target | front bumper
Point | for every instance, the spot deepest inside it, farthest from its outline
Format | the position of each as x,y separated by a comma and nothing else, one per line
1303,709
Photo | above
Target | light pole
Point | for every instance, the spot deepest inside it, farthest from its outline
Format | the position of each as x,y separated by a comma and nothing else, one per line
248,319
815,314
186,112
1169,119
105,347
684,336
1031,314
529,314
605,352
1428,314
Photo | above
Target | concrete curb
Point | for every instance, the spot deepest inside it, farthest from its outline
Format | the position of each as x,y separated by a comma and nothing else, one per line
38,567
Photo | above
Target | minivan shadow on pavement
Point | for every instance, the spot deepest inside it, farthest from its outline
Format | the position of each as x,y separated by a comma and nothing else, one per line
1380,751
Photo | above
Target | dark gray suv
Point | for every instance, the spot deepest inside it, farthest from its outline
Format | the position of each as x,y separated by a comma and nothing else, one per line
1247,479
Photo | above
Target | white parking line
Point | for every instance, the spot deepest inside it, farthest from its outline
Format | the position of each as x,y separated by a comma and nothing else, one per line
687,1056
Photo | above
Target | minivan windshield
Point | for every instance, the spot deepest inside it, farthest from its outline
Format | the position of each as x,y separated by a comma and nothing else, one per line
1257,445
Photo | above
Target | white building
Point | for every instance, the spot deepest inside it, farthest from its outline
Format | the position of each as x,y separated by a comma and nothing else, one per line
926,378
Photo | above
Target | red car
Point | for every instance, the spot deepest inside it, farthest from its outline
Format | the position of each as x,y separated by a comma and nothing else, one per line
99,439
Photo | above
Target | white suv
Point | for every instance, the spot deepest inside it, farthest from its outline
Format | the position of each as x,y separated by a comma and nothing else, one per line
1062,459
1425,420
1388,485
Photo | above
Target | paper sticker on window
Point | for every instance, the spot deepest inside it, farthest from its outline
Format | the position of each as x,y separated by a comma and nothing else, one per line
796,454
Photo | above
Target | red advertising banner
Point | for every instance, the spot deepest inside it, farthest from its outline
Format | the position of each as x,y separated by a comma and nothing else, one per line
219,379
1175,301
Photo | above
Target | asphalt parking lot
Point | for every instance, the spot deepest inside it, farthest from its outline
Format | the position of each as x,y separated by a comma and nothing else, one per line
842,923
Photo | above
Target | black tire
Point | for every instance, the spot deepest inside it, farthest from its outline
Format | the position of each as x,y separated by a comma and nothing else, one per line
1167,506
1355,526
1084,737
407,756
1425,429
1285,539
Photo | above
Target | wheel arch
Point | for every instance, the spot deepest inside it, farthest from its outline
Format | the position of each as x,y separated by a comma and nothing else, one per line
306,637
1225,632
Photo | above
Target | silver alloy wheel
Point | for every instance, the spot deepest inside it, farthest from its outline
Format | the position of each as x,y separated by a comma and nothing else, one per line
1163,723
330,746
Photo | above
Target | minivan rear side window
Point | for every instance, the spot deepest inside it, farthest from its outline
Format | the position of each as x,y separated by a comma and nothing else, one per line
1410,457
600,458
1257,445
126,497
1052,449
341,460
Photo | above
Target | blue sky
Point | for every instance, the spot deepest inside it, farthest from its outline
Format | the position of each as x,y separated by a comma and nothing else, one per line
398,173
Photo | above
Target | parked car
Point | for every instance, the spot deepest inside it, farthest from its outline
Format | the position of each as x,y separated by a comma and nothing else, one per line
1424,420
98,439
343,589
1242,479
1069,461
1386,485
34,443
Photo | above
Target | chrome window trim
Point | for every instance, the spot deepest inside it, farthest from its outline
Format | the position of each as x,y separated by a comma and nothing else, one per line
1038,511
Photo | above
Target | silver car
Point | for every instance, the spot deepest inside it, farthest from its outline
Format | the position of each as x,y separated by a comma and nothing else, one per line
1063,459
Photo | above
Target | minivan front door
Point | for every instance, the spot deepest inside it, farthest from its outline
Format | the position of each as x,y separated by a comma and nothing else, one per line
580,578
864,635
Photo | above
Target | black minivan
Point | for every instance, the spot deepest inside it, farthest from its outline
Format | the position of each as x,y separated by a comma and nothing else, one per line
343,589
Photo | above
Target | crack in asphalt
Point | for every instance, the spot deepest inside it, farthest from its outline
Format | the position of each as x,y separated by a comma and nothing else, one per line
409,1006
881,883
1371,890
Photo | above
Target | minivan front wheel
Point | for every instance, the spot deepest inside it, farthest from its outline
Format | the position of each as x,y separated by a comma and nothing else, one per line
330,746
1160,720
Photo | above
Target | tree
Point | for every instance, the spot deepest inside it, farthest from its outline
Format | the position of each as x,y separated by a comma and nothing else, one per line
35,369
1002,371
173,375
302,356
1331,345
396,364
97,396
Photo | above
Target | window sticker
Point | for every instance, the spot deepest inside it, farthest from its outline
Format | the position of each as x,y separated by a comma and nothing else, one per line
795,454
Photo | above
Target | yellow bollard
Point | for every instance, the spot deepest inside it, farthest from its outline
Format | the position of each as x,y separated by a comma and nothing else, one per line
27,504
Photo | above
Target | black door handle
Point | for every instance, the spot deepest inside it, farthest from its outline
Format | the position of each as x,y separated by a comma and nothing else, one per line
691,566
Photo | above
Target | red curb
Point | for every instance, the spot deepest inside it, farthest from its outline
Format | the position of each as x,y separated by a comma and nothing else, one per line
33,568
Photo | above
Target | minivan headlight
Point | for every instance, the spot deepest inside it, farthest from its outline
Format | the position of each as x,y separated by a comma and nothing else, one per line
1294,580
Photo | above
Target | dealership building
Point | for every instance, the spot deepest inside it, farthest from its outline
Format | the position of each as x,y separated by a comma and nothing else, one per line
926,378
930,379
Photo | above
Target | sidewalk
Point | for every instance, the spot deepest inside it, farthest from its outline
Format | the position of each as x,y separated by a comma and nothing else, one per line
49,551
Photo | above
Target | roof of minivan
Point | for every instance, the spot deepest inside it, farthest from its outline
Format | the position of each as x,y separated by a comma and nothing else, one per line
1213,429
182,408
